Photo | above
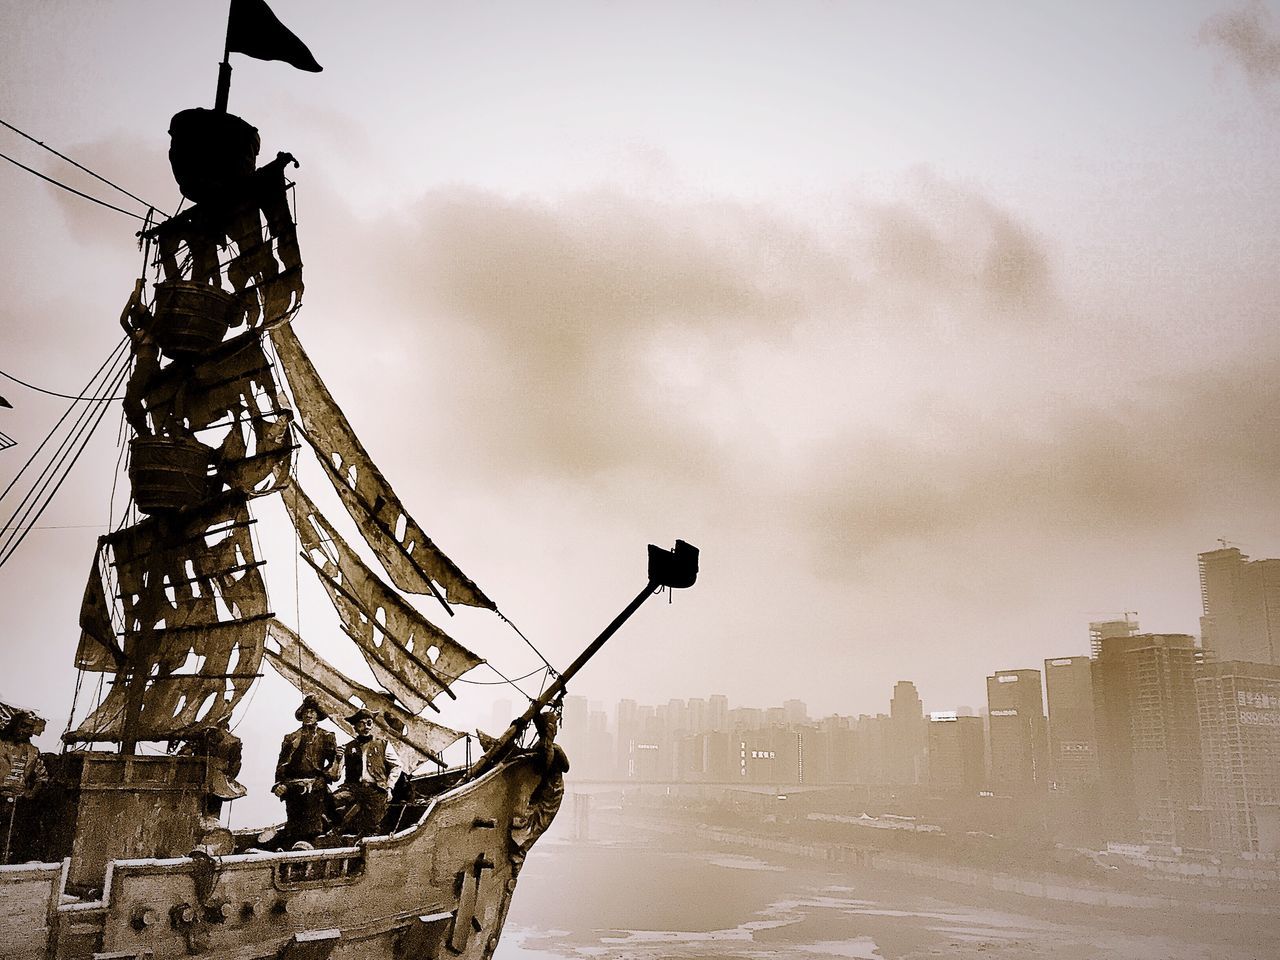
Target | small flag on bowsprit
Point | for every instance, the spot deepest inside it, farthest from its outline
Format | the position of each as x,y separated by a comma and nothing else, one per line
5,403
252,29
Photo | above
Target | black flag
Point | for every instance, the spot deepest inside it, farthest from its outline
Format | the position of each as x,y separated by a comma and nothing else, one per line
5,403
252,29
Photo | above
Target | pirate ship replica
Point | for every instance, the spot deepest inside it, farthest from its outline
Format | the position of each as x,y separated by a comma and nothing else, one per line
122,863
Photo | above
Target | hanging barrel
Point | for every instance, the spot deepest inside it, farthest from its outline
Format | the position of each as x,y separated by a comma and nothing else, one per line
191,318
168,473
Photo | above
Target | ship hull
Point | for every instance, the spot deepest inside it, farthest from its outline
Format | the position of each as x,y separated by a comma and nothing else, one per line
438,889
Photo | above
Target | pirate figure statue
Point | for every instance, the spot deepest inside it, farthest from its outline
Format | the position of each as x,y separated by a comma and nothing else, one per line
372,769
223,752
308,763
22,772
552,763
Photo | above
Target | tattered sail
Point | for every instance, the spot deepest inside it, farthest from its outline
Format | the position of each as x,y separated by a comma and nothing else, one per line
97,651
409,655
414,563
265,269
194,611
232,390
415,739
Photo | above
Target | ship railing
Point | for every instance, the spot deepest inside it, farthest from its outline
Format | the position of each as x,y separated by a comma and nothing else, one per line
298,869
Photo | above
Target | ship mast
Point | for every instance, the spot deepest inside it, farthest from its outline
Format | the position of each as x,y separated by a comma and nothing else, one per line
224,70
672,569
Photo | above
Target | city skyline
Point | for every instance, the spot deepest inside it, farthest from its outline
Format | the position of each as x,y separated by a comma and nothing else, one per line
1152,746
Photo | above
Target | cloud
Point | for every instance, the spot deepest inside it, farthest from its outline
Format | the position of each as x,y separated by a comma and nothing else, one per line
608,331
1182,447
1248,37
601,325
891,379
960,252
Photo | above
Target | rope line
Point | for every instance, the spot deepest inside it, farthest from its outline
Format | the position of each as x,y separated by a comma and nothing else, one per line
507,680
520,633
55,393
78,193
36,500
61,526
69,450
498,683
63,458
97,176
111,357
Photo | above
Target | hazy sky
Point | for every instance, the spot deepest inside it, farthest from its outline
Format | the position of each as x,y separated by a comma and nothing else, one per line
941,328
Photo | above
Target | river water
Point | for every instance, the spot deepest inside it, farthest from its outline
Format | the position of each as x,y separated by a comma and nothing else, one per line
637,893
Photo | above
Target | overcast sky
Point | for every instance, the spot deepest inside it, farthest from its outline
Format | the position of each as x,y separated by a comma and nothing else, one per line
942,329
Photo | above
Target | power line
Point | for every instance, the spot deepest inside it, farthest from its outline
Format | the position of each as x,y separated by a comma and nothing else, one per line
106,380
60,526
54,393
70,450
78,193
112,357
78,166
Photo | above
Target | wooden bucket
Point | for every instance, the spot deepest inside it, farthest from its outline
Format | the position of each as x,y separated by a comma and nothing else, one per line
191,318
168,473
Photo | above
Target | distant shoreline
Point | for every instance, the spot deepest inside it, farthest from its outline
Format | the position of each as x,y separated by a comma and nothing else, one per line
1044,886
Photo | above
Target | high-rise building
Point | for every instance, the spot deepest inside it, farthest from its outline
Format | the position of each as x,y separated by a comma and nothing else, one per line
1149,737
600,753
677,717
1241,599
841,747
698,716
1073,748
870,736
718,707
905,748
1239,710
771,755
1100,630
575,732
795,711
1018,747
628,732
957,764
746,718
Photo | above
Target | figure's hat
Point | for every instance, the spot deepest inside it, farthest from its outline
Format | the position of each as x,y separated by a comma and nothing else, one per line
310,701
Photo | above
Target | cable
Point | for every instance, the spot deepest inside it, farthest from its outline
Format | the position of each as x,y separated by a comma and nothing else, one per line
61,526
508,681
54,393
498,683
78,193
92,380
503,617
41,143
35,501
82,431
